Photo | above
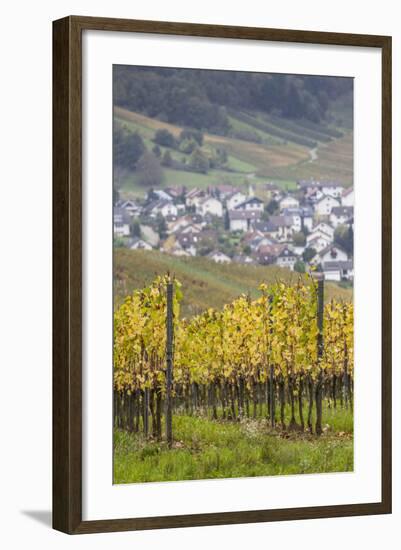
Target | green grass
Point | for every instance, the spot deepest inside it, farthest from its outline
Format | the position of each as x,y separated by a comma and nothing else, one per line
204,283
238,165
207,449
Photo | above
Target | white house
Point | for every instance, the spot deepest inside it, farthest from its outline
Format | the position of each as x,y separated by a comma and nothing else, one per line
140,244
178,224
332,253
235,199
257,242
287,258
324,229
324,206
121,222
317,242
188,242
161,195
307,218
210,205
193,197
184,222
242,220
288,202
252,204
219,257
161,207
299,250
296,215
332,189
283,225
302,218
338,271
347,198
191,228
131,207
341,215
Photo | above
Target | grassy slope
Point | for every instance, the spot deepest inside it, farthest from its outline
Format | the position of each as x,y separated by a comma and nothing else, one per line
205,283
272,154
208,449
274,159
244,157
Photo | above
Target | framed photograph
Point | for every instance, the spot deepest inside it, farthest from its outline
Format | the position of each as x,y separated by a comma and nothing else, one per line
222,275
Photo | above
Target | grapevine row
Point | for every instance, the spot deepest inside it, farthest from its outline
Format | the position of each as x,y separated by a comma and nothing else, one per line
249,359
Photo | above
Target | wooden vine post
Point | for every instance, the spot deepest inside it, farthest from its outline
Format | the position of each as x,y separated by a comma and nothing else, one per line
272,411
169,361
320,344
146,412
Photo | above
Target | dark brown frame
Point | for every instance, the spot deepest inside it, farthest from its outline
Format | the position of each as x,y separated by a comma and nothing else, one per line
67,274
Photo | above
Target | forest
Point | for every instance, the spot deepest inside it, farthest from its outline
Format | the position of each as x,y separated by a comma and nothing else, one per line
202,99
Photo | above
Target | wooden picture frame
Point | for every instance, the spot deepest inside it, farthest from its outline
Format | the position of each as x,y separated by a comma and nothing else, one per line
67,273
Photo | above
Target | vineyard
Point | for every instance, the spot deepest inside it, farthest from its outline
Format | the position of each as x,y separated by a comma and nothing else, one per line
253,359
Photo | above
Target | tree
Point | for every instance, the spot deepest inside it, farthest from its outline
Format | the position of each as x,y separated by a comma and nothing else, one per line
167,159
165,138
118,242
272,207
128,147
218,158
188,134
188,145
150,173
299,266
116,195
157,151
135,229
308,254
226,220
199,162
205,246
299,239
161,227
135,148
199,99
344,237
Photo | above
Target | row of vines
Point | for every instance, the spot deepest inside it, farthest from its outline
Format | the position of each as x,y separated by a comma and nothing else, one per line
250,359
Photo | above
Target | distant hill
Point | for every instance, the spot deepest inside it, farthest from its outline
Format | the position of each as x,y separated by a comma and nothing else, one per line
200,98
204,282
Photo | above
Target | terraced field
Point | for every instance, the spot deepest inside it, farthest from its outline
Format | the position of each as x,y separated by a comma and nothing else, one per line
288,151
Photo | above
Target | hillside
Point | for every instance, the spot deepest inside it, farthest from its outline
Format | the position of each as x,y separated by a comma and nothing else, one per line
281,154
204,282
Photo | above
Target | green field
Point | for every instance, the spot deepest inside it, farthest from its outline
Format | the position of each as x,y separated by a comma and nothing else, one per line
205,283
205,449
283,155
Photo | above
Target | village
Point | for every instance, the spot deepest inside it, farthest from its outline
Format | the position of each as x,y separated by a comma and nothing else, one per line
310,226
